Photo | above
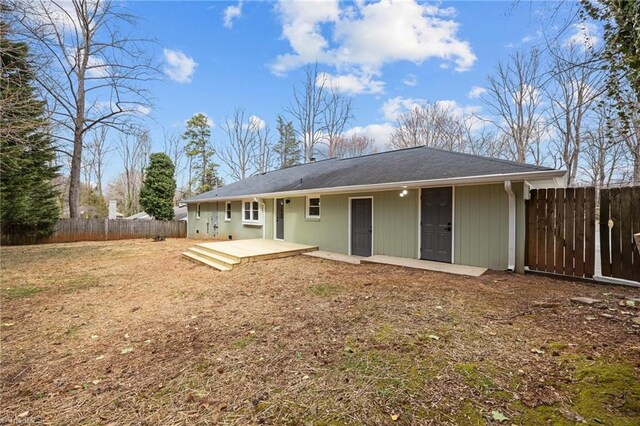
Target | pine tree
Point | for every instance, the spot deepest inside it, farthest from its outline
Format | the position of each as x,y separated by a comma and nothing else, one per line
28,201
200,149
159,187
287,148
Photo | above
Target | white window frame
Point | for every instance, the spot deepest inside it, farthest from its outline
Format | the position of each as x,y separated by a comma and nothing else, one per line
252,221
198,211
307,205
227,211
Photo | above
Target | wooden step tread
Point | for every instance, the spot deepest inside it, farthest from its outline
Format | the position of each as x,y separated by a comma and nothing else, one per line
214,255
208,261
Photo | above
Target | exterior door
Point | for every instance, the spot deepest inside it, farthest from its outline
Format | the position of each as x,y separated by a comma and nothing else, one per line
280,219
361,227
435,221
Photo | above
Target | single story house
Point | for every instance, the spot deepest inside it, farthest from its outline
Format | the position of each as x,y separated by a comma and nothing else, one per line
420,203
179,213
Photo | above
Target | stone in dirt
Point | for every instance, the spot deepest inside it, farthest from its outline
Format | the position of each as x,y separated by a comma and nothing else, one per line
636,320
585,300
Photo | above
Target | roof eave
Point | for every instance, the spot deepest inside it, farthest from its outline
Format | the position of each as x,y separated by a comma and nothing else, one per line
494,178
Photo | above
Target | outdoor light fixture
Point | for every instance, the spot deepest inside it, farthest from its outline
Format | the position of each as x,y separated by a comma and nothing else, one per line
403,192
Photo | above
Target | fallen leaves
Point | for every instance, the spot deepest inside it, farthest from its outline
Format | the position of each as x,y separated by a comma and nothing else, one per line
498,416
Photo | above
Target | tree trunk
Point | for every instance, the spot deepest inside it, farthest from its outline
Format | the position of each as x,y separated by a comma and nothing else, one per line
74,176
76,160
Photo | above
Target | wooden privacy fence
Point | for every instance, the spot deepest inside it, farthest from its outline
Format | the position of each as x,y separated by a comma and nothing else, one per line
619,220
71,230
560,231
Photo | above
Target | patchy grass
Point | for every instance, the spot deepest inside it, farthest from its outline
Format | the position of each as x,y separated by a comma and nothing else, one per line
121,331
325,290
607,390
20,292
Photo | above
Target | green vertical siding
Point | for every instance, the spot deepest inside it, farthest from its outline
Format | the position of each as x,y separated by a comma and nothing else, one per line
197,228
481,226
234,228
395,226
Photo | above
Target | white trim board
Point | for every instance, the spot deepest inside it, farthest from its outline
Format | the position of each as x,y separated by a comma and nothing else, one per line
275,213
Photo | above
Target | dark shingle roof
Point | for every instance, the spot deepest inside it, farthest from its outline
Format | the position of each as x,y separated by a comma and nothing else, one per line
405,165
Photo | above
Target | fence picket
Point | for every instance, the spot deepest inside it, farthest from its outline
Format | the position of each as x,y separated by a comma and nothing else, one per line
74,230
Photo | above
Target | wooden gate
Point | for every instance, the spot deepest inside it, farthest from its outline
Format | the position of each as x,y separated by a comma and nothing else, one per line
560,231
619,220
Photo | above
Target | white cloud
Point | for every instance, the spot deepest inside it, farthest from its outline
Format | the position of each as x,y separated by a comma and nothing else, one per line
97,67
360,38
257,122
353,83
180,67
142,109
393,107
476,92
381,133
410,80
585,35
230,13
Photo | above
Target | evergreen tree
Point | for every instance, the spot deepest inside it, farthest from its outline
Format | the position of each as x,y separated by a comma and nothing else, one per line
200,149
28,201
159,187
94,202
621,21
287,148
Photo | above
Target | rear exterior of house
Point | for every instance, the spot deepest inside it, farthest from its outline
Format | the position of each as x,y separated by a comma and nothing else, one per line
469,219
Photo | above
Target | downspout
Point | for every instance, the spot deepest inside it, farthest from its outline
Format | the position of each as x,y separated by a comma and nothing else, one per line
264,212
511,262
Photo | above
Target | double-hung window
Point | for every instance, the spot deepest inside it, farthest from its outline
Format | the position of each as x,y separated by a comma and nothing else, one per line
313,208
198,211
251,213
227,211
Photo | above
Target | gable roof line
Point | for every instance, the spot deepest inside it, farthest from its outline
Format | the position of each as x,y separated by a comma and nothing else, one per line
493,178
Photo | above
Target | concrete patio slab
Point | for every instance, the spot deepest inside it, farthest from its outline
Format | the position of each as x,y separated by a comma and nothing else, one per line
427,265
338,257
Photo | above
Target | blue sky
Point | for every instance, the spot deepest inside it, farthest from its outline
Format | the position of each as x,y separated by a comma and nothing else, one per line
221,55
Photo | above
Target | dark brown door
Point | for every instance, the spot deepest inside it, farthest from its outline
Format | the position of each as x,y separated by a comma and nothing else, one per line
280,218
435,224
361,227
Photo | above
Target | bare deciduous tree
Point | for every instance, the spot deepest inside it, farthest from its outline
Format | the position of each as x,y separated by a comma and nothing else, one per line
243,135
514,99
90,70
337,114
354,146
174,147
96,153
603,155
433,125
572,91
134,152
320,112
263,159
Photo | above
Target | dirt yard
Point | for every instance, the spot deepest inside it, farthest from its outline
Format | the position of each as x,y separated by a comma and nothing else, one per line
129,332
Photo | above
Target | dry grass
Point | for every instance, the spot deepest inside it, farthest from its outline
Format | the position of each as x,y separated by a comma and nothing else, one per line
128,332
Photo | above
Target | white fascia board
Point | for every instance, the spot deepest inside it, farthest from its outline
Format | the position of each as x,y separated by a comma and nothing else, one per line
467,180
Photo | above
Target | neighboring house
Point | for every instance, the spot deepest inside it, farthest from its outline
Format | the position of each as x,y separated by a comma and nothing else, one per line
420,203
179,213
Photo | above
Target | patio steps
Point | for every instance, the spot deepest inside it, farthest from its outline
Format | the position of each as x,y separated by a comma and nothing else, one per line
224,255
212,258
